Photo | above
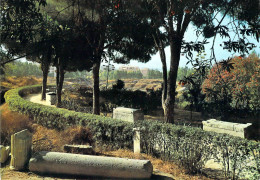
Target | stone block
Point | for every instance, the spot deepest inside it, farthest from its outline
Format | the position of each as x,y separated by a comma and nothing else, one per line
128,114
234,129
87,165
51,98
79,149
21,144
4,153
137,140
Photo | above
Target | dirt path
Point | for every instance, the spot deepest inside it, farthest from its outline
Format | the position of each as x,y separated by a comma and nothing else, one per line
36,98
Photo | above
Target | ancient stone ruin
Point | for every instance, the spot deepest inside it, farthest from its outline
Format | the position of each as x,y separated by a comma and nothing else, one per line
21,144
87,165
4,153
128,114
137,140
79,149
234,129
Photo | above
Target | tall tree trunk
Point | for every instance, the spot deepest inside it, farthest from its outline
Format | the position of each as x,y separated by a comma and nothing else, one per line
60,84
160,47
175,49
45,70
95,71
164,85
57,77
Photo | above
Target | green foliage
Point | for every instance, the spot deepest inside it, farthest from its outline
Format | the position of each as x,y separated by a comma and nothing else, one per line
184,72
76,74
20,69
133,99
190,147
117,74
154,74
119,85
194,82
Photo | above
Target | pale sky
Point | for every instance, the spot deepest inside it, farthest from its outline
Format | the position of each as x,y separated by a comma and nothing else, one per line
190,35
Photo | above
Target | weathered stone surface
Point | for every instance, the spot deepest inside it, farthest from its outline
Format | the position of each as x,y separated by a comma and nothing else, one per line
137,140
4,153
234,129
79,149
21,144
128,114
87,165
51,98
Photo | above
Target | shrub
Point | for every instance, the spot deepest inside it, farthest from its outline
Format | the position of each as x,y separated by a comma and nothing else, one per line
79,135
190,147
234,86
119,84
105,130
133,99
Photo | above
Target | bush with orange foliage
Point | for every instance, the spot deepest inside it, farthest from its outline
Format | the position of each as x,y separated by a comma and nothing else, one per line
237,87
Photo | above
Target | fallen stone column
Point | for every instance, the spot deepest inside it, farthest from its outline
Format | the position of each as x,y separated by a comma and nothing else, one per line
87,165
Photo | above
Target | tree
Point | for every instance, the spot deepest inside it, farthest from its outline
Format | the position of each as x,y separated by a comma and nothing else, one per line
25,32
235,86
154,74
174,16
110,30
194,80
107,68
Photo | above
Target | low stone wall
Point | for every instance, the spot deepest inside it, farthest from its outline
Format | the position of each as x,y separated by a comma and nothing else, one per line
234,129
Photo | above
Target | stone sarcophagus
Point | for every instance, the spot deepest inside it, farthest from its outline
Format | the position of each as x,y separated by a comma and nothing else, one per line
128,114
234,129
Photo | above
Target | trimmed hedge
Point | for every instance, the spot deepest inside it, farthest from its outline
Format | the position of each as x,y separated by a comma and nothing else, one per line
106,130
190,147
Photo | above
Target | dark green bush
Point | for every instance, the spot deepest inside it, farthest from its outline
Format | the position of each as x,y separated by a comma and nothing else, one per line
133,99
190,147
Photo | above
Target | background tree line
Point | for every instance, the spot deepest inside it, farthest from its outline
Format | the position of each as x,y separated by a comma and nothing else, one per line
152,74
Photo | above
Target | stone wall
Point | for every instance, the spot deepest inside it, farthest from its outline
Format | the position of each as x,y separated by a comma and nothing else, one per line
234,129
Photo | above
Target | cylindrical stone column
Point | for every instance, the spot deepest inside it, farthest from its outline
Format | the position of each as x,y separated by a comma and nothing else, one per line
87,165
21,144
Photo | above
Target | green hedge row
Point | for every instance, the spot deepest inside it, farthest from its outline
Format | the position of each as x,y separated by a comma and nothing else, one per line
190,147
105,130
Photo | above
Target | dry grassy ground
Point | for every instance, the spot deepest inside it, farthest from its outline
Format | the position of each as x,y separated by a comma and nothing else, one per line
15,82
50,140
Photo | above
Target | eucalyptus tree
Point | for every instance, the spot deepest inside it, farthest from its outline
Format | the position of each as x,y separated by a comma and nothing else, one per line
169,20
